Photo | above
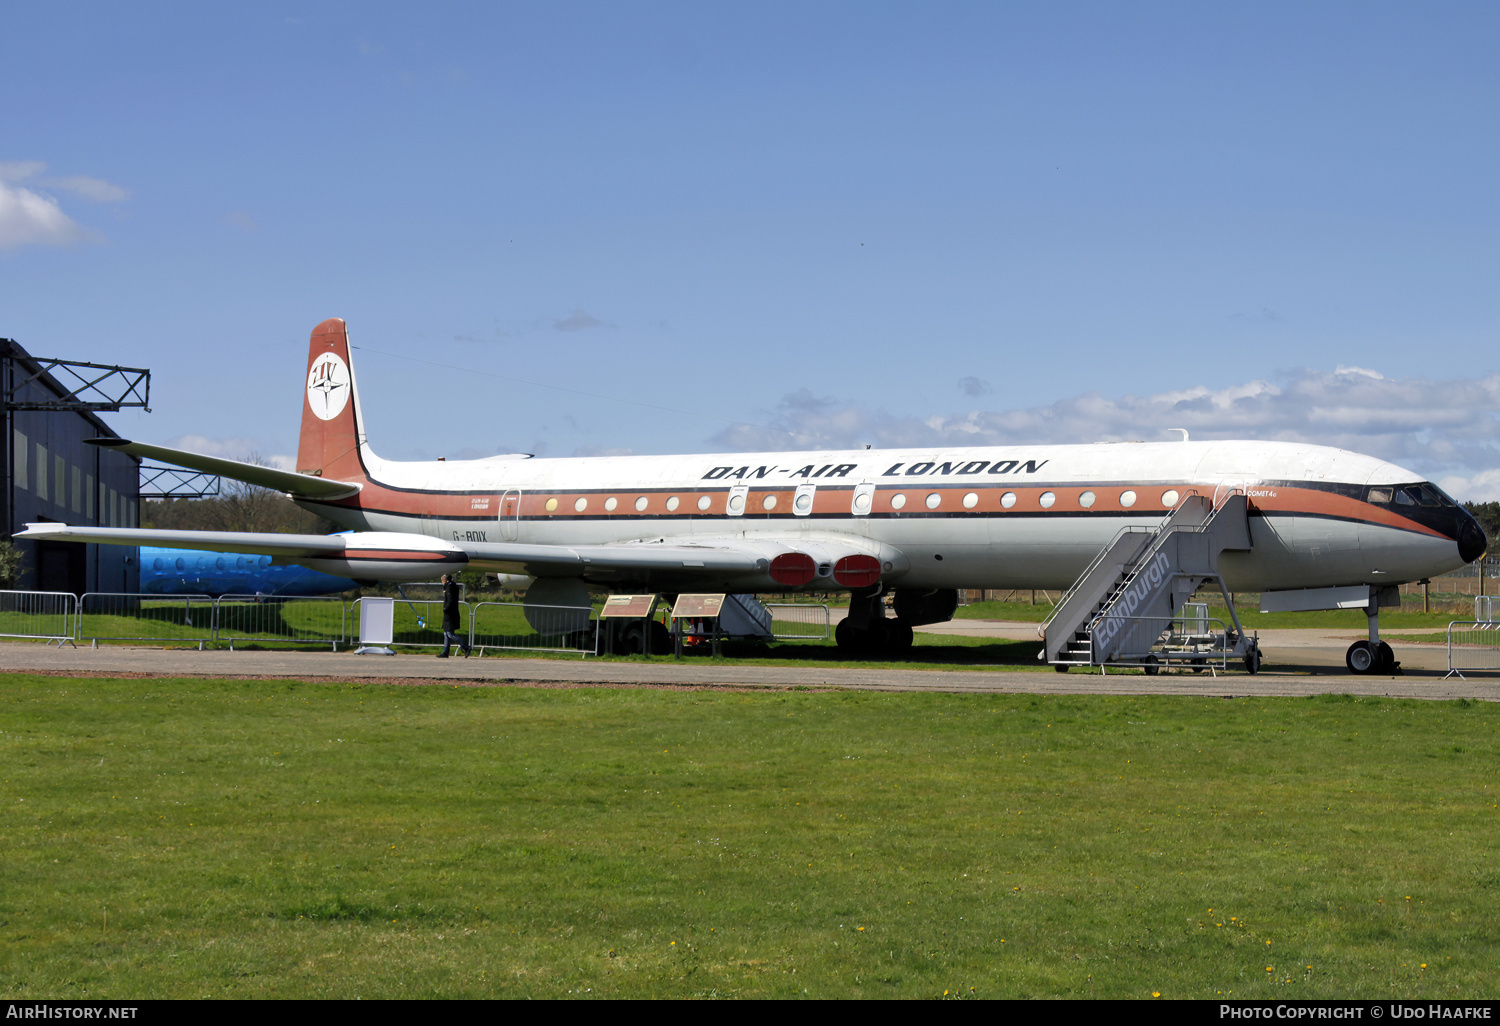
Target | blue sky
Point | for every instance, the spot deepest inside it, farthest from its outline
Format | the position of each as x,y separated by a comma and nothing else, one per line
714,226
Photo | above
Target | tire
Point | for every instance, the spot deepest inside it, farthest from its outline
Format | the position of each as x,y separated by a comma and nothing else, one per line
1060,667
1252,661
628,641
843,636
1152,668
898,637
1362,658
1385,659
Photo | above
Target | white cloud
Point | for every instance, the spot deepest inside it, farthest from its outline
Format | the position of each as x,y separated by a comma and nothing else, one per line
1444,430
16,170
241,449
28,218
1481,487
96,189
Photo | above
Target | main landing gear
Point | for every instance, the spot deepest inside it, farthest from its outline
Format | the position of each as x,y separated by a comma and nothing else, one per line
866,633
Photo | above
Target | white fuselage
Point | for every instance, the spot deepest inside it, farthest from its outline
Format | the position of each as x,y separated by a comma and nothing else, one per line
1002,517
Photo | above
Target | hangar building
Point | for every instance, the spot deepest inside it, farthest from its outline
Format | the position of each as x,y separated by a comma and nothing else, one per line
51,475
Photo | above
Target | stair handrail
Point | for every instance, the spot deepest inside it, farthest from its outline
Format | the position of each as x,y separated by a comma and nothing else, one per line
1062,600
1227,489
1163,531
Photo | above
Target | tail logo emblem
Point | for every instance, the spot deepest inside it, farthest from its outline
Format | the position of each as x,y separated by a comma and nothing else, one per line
328,386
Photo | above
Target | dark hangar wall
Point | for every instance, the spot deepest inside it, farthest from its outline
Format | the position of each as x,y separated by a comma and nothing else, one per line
51,475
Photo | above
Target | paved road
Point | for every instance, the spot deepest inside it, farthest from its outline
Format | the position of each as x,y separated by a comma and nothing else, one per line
1301,663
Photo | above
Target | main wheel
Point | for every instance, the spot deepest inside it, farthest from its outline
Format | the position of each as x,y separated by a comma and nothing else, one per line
1252,660
898,637
1361,658
1385,659
859,644
628,641
843,636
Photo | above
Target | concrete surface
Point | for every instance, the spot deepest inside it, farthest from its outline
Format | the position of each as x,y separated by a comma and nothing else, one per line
1299,662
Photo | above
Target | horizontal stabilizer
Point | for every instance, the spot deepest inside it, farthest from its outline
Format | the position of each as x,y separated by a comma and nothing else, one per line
302,486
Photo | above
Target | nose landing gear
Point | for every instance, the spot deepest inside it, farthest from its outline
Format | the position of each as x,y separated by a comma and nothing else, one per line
1373,656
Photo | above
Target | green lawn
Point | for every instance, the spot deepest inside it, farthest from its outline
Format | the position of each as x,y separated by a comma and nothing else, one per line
192,838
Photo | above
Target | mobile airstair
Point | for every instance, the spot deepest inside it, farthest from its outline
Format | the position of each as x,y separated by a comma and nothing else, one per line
1131,606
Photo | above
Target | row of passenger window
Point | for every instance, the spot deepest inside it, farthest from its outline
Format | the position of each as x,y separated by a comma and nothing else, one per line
1046,500
803,501
204,563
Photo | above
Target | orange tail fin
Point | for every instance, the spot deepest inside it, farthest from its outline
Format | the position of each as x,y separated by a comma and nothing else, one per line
331,430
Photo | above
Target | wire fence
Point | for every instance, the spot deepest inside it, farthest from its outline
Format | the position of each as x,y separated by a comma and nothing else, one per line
1473,645
320,620
240,620
44,615
795,621
120,616
510,625
200,620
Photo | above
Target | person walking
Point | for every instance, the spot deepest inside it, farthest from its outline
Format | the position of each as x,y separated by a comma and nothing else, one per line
450,619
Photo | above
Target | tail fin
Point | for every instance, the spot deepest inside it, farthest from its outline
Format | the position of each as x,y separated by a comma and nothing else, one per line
332,433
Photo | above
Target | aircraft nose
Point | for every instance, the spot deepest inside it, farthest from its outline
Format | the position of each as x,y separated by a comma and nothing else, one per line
1470,537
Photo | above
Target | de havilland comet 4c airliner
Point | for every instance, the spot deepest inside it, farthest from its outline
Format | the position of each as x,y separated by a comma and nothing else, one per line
919,523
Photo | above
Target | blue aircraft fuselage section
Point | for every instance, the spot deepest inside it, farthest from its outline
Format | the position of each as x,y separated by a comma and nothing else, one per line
191,572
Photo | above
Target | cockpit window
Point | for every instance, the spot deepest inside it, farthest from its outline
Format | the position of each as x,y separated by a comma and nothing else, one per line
1420,494
1438,494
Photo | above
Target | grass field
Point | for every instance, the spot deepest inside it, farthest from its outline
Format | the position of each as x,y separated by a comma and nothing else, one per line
192,838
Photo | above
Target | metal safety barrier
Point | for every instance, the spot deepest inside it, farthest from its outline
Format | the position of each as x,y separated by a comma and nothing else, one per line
310,620
199,619
796,621
120,616
511,625
419,623
1473,645
44,615
1485,607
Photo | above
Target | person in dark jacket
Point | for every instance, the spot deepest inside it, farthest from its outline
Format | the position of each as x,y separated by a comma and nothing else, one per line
450,619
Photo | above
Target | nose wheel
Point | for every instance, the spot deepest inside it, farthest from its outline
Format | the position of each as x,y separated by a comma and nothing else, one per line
1370,657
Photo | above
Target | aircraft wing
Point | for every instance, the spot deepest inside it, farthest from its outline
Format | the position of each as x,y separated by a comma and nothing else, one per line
373,555
284,546
300,485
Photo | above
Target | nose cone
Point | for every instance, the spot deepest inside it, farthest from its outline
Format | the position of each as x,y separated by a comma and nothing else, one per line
1470,537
